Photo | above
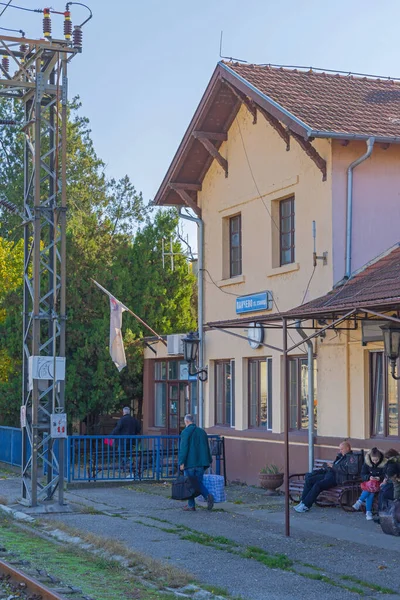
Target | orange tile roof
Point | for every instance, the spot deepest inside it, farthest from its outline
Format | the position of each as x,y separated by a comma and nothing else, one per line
378,284
330,102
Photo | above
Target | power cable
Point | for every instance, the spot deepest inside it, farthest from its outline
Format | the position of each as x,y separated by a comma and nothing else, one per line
308,284
217,286
254,179
13,30
84,5
266,208
36,10
4,9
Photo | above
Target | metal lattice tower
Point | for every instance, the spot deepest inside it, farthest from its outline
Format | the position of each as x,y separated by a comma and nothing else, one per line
40,82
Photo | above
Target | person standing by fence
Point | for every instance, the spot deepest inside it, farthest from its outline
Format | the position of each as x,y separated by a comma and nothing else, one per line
194,458
127,425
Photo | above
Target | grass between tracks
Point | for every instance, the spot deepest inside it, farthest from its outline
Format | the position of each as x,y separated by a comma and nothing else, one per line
99,577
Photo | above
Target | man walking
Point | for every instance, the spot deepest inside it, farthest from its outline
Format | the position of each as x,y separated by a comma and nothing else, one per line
127,425
323,479
129,452
194,458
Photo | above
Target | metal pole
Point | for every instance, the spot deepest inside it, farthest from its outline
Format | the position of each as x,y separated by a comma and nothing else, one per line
200,307
52,284
44,221
62,217
200,280
286,424
349,207
310,398
26,442
36,326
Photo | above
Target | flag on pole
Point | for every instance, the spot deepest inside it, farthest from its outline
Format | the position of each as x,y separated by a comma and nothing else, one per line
117,350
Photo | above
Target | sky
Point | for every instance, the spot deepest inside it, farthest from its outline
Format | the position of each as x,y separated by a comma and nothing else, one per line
145,64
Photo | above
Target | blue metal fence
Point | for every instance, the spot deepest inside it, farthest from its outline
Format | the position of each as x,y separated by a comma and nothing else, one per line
11,445
144,457
99,458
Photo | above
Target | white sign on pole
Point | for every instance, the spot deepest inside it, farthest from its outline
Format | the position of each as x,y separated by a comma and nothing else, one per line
58,425
42,367
23,416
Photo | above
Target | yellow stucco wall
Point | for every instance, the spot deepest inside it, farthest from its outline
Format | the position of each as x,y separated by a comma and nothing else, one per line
278,174
259,164
343,385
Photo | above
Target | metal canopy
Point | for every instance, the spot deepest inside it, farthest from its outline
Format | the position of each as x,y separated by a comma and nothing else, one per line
286,321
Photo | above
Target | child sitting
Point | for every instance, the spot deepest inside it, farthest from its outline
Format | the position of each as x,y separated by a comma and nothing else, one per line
372,473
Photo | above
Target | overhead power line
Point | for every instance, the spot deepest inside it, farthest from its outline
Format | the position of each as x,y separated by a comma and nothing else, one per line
36,10
4,9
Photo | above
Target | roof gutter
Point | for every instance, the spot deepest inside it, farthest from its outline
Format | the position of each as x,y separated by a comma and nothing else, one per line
353,136
290,117
349,218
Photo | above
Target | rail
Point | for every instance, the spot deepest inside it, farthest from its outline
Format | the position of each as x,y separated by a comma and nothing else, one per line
30,585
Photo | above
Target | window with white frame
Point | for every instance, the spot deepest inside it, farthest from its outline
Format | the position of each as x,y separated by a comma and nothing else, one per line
384,397
286,231
298,393
225,392
235,246
260,392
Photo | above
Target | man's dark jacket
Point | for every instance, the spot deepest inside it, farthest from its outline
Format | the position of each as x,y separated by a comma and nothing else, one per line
194,450
345,467
127,425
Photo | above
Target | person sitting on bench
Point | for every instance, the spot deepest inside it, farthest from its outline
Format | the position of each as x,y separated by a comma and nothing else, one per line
372,474
390,488
323,479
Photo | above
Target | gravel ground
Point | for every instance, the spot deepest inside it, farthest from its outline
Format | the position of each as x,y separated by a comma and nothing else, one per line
324,543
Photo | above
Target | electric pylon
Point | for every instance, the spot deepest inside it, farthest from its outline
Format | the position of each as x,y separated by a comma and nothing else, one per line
40,82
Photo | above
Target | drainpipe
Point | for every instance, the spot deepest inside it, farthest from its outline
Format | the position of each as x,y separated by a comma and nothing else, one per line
200,304
349,219
310,401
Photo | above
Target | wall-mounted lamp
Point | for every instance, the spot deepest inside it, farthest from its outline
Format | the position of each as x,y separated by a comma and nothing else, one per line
190,351
391,339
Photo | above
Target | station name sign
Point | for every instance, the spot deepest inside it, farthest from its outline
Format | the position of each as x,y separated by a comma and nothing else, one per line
254,302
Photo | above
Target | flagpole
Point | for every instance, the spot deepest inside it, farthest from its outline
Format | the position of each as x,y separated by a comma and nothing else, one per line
132,313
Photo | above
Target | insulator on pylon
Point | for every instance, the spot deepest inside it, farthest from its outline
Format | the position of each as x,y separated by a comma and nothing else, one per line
67,25
46,23
23,49
77,37
5,63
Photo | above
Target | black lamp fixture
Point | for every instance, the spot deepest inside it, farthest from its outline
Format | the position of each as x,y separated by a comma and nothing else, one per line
391,339
190,351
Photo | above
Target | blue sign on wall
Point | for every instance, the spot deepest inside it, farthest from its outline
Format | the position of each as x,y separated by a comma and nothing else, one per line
254,302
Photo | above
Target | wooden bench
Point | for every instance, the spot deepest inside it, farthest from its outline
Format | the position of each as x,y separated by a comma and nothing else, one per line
343,495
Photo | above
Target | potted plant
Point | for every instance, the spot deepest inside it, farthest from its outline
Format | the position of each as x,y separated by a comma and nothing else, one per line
270,477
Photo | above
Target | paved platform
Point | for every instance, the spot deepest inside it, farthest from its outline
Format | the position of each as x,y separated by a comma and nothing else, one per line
330,549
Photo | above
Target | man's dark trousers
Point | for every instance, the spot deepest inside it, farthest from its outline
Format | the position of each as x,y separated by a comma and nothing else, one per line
316,483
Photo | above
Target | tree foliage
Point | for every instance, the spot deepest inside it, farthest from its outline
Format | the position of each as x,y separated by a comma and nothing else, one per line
113,237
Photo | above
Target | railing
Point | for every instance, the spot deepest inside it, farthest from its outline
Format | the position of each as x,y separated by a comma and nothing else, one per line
149,458
90,458
11,445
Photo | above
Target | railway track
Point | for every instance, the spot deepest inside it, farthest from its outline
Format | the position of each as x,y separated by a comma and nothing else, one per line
19,585
16,584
